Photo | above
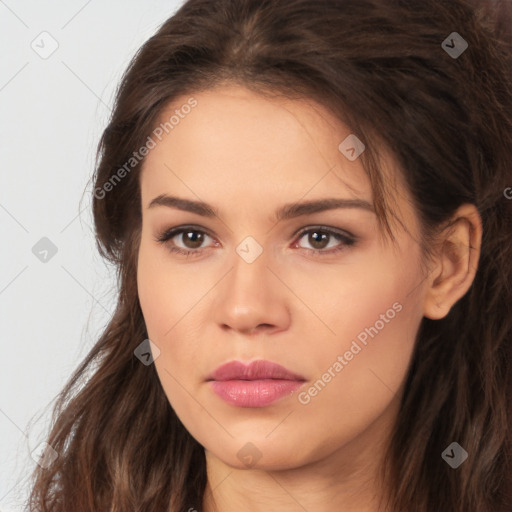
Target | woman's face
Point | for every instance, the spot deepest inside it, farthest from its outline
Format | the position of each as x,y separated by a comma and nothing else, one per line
316,290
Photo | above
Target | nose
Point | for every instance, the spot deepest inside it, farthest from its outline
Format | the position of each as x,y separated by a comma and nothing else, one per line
251,299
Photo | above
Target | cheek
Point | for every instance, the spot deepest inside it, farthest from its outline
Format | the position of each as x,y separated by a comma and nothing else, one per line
368,300
375,318
151,283
165,300
350,392
172,300
166,293
366,309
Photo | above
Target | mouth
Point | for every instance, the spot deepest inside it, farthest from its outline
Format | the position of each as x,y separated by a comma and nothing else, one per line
257,384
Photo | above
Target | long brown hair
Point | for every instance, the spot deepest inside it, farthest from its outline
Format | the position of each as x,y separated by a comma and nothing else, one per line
381,67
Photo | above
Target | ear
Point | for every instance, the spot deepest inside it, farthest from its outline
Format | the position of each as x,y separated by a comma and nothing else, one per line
455,262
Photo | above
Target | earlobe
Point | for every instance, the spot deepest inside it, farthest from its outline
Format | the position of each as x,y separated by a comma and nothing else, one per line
456,262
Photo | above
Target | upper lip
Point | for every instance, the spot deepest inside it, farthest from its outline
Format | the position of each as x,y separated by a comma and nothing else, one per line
256,370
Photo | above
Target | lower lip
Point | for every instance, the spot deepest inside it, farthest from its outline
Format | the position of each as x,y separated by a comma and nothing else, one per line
253,393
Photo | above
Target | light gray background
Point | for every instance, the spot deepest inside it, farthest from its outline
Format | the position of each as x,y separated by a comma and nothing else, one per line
53,111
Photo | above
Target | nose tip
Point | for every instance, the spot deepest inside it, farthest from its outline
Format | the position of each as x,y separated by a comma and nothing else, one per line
251,301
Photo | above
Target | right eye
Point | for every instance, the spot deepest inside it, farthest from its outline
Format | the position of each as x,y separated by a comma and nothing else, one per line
192,240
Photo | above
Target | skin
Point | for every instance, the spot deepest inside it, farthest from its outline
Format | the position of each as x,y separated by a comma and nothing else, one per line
247,155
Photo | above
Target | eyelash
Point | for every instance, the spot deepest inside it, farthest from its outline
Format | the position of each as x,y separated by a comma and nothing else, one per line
346,239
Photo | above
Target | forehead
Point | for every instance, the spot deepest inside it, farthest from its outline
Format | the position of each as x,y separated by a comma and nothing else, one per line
235,141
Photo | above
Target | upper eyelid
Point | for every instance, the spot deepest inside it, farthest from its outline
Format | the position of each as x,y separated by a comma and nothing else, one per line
336,231
178,230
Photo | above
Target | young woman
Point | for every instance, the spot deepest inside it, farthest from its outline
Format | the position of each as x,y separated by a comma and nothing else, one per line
309,207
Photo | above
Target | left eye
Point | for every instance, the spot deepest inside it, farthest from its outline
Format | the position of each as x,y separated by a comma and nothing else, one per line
318,238
194,237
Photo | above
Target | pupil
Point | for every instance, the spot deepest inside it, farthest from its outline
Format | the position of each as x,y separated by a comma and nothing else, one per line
195,238
314,239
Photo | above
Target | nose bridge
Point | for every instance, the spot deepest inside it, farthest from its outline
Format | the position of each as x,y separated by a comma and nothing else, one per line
248,282
250,272
251,296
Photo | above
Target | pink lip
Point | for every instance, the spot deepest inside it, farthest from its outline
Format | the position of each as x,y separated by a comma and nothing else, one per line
254,385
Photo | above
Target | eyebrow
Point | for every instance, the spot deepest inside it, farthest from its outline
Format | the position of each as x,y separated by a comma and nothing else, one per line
285,212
